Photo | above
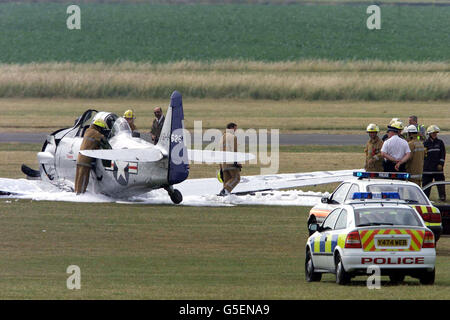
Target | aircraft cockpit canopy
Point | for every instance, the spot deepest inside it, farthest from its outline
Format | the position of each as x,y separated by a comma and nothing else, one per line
121,126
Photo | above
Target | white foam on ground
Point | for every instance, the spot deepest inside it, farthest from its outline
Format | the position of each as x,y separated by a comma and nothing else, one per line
42,191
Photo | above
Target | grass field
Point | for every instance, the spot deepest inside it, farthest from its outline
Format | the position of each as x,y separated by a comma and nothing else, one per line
303,80
334,117
158,252
37,32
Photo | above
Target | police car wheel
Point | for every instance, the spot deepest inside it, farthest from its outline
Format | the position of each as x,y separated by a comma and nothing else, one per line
342,276
310,275
427,277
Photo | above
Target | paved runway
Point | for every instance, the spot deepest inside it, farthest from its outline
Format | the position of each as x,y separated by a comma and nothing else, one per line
285,139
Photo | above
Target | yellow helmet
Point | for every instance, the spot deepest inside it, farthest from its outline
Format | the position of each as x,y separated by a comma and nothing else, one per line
394,120
396,125
372,128
100,123
433,128
129,114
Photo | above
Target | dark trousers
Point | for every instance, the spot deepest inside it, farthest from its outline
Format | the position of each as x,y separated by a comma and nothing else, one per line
428,178
389,166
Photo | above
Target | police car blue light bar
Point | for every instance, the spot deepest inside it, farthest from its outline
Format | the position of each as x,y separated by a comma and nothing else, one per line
375,195
390,195
362,195
385,175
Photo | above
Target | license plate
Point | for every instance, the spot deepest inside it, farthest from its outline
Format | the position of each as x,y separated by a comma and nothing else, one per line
392,242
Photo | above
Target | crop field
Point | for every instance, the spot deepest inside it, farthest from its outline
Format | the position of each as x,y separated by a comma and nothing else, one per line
37,32
306,80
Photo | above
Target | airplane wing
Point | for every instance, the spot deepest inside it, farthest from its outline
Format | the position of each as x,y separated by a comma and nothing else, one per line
130,155
210,156
249,184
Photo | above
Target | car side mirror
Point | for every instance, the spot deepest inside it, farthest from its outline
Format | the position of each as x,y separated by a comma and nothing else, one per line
313,227
325,200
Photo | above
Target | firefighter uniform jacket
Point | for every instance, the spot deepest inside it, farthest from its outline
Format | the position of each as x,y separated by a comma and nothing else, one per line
92,140
374,160
435,154
414,166
231,172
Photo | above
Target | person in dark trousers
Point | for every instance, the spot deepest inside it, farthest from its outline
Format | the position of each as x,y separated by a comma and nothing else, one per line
157,124
433,167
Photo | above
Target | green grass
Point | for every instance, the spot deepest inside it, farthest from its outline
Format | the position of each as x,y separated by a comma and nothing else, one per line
167,252
37,32
333,117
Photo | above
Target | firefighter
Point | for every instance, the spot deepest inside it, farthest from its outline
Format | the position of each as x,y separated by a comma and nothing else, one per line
93,139
395,150
433,167
414,166
129,116
374,160
231,172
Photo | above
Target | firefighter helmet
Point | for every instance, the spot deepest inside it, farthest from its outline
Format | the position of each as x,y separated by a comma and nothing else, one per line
396,126
129,114
394,120
433,128
372,128
411,129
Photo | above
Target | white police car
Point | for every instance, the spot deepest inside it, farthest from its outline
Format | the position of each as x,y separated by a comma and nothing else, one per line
410,192
363,233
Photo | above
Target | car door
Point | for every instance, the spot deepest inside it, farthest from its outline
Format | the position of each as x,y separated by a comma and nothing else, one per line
331,239
319,247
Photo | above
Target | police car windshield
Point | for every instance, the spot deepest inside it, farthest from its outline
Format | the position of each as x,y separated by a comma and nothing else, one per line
410,194
121,126
386,216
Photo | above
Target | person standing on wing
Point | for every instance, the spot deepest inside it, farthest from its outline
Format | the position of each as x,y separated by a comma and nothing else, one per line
231,172
395,150
374,160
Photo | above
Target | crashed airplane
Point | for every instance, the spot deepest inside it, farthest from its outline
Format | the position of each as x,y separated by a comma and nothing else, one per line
134,166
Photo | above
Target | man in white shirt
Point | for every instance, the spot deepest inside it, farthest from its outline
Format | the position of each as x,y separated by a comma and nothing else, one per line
395,150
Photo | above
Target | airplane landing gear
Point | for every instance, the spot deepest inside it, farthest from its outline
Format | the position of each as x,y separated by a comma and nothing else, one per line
174,194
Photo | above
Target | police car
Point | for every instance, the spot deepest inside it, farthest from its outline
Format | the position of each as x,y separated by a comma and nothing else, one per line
362,233
381,182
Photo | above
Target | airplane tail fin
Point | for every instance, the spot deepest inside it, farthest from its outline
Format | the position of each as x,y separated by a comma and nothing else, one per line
171,141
